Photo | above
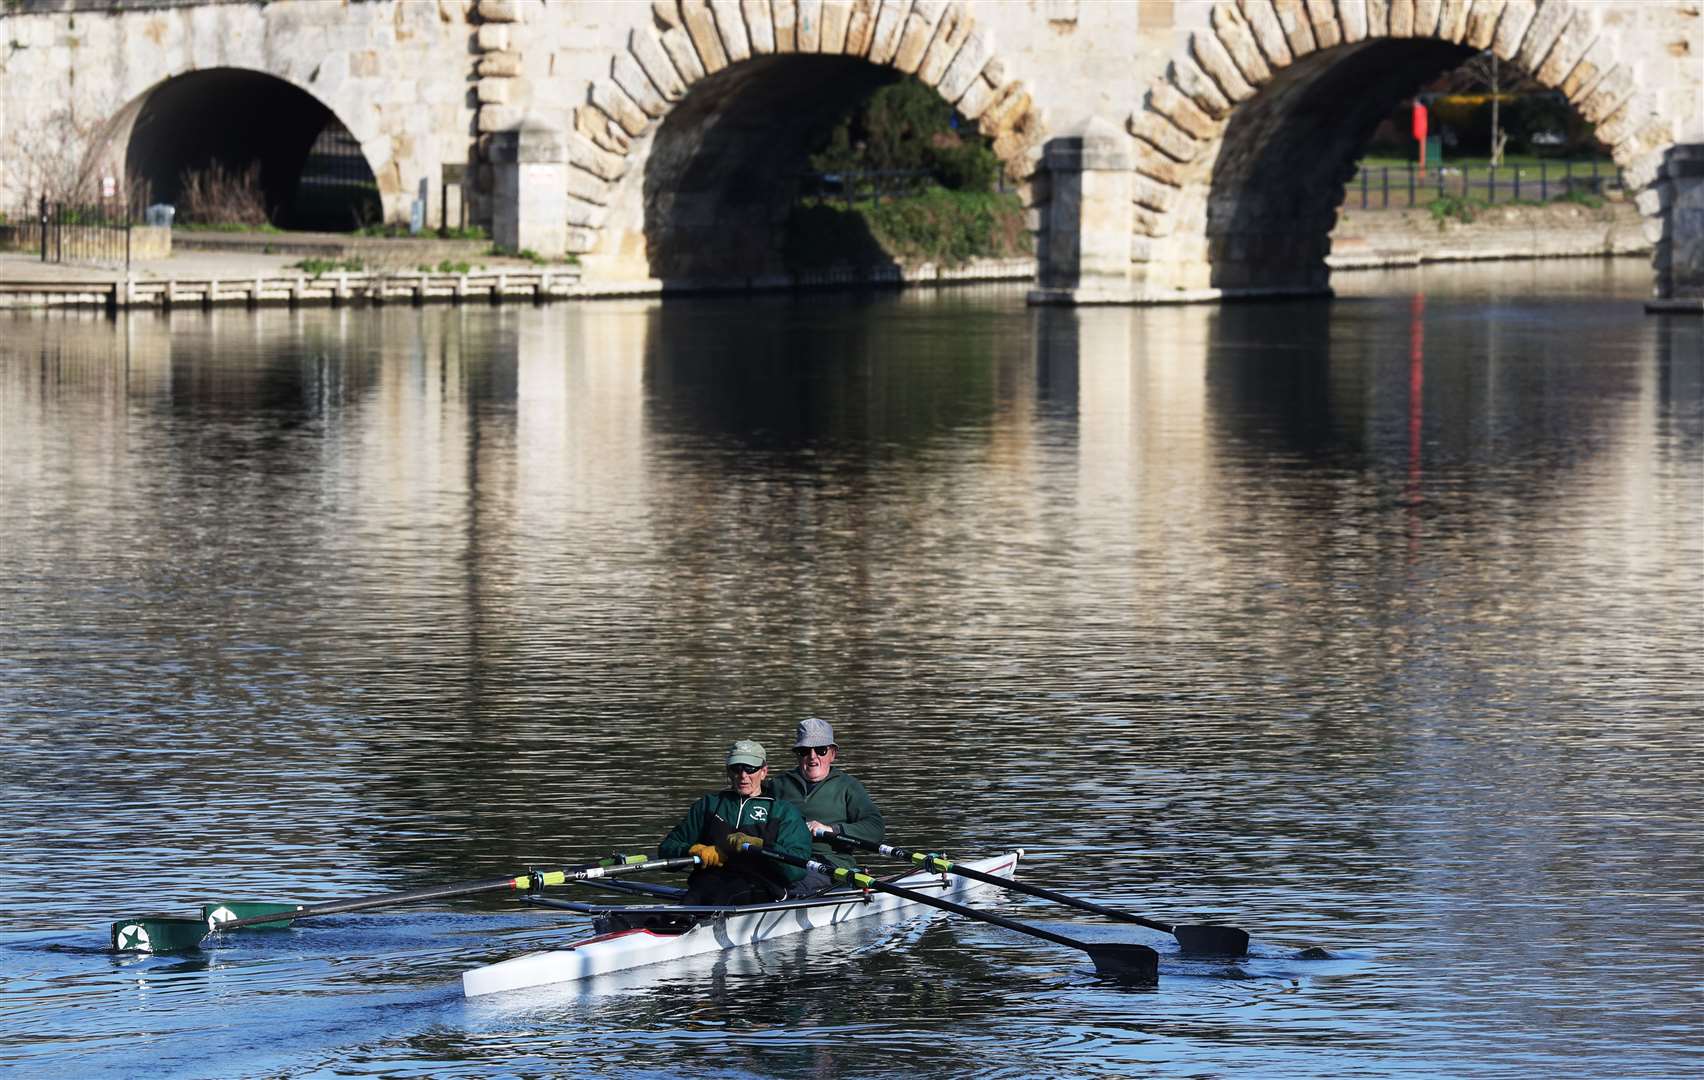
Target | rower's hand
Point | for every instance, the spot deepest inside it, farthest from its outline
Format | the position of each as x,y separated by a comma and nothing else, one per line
817,828
738,842
708,856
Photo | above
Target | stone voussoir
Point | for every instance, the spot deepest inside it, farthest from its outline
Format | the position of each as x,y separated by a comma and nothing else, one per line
1148,192
760,26
1482,22
955,26
1591,69
1153,163
1546,27
1512,28
1238,39
890,24
648,51
977,50
861,27
1378,18
1189,78
1268,32
1452,20
1426,14
1352,20
1181,110
1210,53
700,26
1576,39
919,30
637,85
1009,104
597,160
677,43
1297,25
1611,92
731,28
592,189
784,17
1163,135
621,108
1322,19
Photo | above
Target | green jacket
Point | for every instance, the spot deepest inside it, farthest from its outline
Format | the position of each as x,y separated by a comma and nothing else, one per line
722,812
840,801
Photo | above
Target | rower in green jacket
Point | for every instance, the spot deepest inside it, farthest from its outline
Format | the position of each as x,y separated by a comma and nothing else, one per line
720,826
826,795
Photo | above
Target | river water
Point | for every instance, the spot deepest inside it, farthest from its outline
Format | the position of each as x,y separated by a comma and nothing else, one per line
1372,626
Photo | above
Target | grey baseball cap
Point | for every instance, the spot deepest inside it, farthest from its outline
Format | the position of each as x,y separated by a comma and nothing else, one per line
814,732
747,752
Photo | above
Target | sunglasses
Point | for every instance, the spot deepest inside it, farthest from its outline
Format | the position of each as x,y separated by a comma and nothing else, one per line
745,770
807,751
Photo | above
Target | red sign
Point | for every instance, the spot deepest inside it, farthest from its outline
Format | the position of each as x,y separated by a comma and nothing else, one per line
1419,122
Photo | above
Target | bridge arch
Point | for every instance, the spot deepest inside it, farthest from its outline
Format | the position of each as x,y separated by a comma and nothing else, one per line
1244,145
312,171
705,112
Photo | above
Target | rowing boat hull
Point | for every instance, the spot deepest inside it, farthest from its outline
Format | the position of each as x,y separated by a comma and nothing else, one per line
637,948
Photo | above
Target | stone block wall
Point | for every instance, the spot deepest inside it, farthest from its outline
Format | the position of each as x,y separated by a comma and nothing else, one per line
425,83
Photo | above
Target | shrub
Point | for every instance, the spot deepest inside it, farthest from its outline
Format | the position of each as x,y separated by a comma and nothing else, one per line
216,196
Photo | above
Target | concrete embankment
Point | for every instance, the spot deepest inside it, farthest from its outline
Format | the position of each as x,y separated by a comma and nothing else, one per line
207,269
1371,239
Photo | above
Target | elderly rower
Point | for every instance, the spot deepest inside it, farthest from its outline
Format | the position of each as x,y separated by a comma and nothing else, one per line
831,799
719,826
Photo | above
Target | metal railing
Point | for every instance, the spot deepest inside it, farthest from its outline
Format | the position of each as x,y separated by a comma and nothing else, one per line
1402,186
69,232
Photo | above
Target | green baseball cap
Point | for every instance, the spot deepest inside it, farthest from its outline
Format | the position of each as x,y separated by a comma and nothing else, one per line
747,752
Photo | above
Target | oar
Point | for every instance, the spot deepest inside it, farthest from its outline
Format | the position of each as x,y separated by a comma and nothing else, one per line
1128,961
168,933
1207,938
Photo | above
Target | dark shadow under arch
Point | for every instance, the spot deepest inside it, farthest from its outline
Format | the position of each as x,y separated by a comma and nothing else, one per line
1288,152
725,166
312,173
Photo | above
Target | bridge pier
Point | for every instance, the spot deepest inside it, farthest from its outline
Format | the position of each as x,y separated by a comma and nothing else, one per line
530,196
1680,261
1084,248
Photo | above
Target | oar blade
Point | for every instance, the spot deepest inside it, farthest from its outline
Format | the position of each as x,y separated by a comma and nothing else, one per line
1210,939
232,910
158,934
1126,962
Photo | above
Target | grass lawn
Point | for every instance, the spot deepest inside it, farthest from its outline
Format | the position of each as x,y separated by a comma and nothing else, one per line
1525,161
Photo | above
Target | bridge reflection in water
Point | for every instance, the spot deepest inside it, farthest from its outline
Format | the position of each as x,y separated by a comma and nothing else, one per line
1344,654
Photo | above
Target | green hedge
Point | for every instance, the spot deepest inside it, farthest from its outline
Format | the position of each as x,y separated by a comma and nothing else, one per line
945,227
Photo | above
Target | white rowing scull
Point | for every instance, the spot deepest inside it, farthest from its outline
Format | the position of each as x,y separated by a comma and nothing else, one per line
719,929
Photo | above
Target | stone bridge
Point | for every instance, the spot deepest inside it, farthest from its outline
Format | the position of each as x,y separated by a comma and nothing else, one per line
1167,150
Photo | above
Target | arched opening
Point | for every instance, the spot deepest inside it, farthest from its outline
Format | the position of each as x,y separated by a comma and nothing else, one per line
820,168
226,141
727,161
1288,152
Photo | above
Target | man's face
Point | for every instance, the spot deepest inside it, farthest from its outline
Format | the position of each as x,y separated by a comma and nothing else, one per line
814,761
747,780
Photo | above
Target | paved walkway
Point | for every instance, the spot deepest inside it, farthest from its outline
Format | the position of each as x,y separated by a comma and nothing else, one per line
200,256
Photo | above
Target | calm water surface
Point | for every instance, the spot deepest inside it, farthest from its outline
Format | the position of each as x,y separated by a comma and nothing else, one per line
1372,626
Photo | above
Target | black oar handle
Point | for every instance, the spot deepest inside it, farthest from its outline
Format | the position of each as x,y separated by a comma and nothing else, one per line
940,862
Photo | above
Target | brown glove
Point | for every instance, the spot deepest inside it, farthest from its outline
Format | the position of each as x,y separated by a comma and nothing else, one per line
734,844
708,856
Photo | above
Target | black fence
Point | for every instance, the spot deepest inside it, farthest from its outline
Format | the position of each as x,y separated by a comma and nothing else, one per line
853,187
68,232
1398,187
